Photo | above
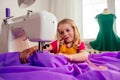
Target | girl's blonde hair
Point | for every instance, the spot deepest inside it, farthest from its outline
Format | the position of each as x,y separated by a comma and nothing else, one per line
73,25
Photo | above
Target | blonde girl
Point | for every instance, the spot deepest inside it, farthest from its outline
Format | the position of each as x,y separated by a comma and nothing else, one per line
67,43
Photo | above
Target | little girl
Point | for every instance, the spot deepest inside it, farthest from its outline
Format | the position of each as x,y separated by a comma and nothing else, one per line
67,43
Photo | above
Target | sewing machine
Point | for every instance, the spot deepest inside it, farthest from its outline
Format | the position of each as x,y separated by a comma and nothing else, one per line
36,27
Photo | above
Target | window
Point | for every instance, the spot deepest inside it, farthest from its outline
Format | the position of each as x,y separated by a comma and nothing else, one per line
117,12
90,9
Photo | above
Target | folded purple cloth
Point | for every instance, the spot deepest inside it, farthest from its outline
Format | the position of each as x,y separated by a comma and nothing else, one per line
47,66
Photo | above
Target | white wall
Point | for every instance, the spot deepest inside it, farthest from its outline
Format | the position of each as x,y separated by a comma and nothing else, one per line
68,9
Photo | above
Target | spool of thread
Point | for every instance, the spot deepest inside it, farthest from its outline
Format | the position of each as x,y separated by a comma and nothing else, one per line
7,11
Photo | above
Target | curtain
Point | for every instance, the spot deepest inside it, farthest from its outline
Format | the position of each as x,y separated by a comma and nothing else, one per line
67,9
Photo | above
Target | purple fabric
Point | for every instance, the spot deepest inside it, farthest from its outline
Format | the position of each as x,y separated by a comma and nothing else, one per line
46,66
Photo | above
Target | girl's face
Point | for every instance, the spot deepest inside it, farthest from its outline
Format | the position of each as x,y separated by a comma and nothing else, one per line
66,32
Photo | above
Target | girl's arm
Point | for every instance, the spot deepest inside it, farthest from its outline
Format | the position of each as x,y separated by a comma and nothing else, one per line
83,56
101,67
79,57
24,55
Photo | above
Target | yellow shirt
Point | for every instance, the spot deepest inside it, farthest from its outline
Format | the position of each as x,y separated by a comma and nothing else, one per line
66,50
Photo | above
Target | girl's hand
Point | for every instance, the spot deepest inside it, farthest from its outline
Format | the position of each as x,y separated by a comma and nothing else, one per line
95,66
102,68
24,55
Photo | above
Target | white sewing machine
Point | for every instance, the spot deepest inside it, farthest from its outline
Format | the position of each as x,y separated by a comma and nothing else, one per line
37,27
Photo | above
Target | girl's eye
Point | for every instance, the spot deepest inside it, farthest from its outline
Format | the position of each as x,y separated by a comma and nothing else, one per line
67,30
61,33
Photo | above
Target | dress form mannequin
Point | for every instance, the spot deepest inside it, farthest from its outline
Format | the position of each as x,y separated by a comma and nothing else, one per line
106,11
107,39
